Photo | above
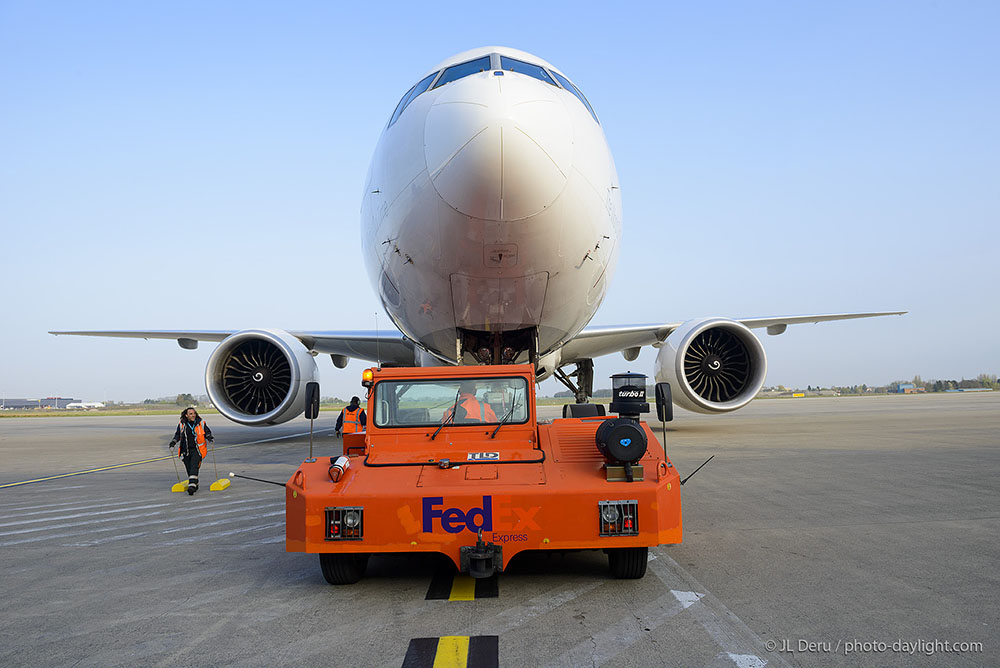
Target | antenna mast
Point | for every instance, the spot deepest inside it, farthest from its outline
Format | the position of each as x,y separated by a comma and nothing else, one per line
378,355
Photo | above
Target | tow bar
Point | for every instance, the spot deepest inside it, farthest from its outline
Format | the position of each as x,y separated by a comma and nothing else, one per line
481,560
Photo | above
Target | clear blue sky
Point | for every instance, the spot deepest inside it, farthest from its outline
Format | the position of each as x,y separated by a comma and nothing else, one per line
175,165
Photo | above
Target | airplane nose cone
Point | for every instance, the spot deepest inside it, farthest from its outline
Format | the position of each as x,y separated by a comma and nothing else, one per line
498,147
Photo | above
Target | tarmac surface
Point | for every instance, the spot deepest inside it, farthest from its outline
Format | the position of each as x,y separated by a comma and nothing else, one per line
826,532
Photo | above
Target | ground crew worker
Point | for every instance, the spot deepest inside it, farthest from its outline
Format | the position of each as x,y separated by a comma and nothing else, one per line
468,407
193,434
352,419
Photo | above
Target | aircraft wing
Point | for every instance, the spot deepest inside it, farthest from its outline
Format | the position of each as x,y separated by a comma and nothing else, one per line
596,341
390,346
200,335
394,348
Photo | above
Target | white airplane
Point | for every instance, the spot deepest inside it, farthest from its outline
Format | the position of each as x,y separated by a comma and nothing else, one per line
491,222
85,404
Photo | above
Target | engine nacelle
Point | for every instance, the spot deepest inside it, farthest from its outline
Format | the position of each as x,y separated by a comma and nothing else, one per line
713,365
258,377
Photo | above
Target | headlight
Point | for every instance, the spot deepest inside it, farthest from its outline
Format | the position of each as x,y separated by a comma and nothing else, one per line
618,518
609,514
345,523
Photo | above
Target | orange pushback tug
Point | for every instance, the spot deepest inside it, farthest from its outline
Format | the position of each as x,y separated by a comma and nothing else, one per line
455,461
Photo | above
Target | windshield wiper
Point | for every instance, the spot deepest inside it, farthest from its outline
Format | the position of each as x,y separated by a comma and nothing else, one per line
451,418
505,417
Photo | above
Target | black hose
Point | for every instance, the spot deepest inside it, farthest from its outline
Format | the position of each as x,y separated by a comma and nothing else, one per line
432,462
246,477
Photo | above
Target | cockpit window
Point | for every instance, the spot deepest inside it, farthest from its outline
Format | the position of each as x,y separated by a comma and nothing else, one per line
399,107
470,401
514,65
576,91
411,95
463,70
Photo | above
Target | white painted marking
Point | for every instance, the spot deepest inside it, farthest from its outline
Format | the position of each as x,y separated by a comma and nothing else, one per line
267,541
747,660
515,617
119,503
225,521
84,523
63,510
739,644
36,506
109,539
686,598
48,491
89,528
208,505
602,647
146,521
71,534
223,534
158,459
728,631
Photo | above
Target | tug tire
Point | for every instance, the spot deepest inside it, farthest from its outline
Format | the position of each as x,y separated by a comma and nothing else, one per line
341,569
628,563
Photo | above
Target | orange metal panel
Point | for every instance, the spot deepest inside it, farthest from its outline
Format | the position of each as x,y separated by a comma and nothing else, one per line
541,494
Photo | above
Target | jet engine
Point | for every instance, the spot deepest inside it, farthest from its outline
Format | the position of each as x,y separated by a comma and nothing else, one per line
713,365
258,377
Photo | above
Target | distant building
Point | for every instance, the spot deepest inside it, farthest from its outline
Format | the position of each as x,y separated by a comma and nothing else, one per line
47,402
905,388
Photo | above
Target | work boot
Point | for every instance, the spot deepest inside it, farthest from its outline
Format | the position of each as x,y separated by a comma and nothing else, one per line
192,488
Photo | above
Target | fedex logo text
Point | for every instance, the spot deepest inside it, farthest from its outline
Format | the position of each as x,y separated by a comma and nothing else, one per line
454,520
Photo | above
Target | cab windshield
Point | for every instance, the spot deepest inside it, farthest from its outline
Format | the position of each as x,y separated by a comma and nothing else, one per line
468,401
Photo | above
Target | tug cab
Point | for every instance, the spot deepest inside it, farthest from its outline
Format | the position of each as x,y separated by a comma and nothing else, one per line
455,461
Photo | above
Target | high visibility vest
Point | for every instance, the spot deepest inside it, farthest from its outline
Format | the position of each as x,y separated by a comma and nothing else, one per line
199,437
477,411
352,421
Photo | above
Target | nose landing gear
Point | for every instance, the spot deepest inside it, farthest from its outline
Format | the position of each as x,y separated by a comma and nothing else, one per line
583,389
501,347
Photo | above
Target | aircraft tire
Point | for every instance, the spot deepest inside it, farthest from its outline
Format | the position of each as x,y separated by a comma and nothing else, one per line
341,569
628,563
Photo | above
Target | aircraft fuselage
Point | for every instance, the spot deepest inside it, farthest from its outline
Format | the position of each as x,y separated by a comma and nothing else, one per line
491,213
